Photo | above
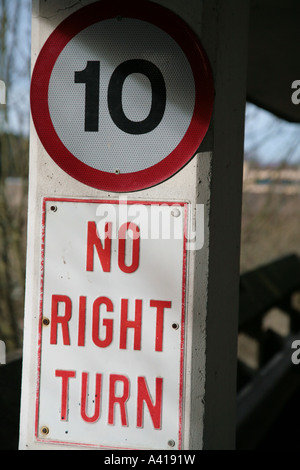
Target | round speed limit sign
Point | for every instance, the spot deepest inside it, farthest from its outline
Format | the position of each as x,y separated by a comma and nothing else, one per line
122,95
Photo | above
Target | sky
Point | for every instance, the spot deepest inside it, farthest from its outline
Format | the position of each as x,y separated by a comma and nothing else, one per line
268,139
15,63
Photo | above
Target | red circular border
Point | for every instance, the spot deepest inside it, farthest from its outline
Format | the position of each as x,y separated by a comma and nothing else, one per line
189,43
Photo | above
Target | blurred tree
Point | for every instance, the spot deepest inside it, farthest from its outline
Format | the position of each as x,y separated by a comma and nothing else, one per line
270,222
15,18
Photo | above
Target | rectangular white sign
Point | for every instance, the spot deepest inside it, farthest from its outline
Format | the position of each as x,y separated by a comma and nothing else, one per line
112,312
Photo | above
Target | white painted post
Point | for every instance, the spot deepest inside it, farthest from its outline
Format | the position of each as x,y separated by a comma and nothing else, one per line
213,180
227,49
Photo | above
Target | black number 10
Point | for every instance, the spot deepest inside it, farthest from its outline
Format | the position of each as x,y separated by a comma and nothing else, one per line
90,76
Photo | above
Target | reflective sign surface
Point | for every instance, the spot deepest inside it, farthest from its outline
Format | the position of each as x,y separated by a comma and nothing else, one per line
122,95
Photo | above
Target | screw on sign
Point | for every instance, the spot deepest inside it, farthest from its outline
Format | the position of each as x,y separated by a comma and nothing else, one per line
122,95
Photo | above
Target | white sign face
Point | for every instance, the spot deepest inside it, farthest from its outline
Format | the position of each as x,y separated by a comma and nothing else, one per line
112,314
122,95
102,134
